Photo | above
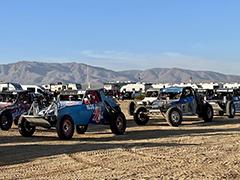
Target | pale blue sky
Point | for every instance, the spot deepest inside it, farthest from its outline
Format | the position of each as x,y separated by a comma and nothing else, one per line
123,34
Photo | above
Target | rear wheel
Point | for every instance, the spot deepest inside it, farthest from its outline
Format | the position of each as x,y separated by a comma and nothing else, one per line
230,109
174,117
207,113
140,116
118,124
65,128
81,129
6,121
24,127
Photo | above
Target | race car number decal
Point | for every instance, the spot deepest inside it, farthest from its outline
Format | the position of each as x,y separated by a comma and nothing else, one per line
97,112
97,115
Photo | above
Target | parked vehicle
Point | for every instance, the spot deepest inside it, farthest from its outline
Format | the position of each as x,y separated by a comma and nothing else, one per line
65,116
150,96
224,101
12,105
113,93
136,87
62,87
71,95
126,95
173,103
34,88
9,86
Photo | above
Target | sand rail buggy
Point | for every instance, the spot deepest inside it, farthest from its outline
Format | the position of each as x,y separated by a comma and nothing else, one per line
95,108
173,103
150,96
12,105
223,101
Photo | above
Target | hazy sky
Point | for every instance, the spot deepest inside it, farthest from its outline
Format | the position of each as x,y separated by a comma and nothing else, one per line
123,34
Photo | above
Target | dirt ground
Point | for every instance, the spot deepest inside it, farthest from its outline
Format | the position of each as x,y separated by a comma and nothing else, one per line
195,150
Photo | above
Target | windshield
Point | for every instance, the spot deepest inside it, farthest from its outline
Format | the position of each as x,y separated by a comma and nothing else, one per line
8,98
221,95
170,93
152,94
17,86
70,98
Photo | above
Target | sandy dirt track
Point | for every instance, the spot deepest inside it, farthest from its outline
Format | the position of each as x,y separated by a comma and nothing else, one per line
195,150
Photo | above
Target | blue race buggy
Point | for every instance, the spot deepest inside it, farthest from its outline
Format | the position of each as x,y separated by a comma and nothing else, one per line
172,104
65,116
12,105
224,101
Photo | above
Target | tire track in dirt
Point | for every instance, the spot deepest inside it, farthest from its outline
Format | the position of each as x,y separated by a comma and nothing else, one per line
192,151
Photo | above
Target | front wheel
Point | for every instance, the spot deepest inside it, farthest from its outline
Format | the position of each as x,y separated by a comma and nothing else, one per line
174,117
81,129
24,127
65,128
140,116
230,109
207,113
118,124
131,108
6,121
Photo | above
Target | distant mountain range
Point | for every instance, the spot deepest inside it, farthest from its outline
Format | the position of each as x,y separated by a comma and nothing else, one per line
25,72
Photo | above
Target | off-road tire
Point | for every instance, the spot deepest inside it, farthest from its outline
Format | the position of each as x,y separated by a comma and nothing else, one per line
131,108
230,109
24,127
139,117
118,124
65,128
207,113
174,116
6,121
81,129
